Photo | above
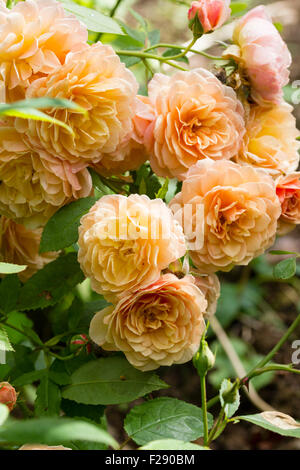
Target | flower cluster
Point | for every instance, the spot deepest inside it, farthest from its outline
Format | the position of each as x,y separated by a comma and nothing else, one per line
44,53
232,144
236,156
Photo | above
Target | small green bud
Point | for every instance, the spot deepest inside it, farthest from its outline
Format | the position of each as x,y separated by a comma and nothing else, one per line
204,359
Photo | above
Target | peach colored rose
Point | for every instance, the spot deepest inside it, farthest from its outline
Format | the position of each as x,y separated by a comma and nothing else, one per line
99,82
131,153
158,325
270,140
35,184
35,37
42,447
125,242
197,117
8,395
209,285
19,245
240,213
263,54
288,192
211,14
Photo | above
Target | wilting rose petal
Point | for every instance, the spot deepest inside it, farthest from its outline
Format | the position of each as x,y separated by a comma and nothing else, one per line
158,325
197,117
125,242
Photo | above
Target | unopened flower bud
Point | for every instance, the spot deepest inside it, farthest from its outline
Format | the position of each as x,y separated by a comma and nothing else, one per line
207,15
8,395
80,342
204,359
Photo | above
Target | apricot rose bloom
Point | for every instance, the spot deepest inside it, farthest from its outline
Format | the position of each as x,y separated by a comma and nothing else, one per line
124,243
270,139
288,192
8,395
131,153
99,82
158,325
263,54
35,37
34,184
211,14
19,245
240,212
197,117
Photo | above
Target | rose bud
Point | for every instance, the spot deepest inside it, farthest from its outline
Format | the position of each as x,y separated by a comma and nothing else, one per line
80,342
207,15
8,395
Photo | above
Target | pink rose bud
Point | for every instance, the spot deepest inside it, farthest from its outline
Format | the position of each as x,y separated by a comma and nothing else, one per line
79,343
207,15
8,395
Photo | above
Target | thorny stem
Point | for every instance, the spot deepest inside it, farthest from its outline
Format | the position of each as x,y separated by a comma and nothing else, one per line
260,366
216,427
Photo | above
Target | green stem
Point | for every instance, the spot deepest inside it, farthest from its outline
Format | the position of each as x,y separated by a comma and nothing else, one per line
276,348
275,367
213,401
172,46
114,9
9,3
204,408
145,55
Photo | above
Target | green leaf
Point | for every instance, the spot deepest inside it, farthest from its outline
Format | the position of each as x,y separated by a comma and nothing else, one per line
8,268
161,194
9,292
4,341
110,381
98,184
171,444
51,283
238,7
53,431
36,115
29,378
274,421
41,103
230,399
285,269
172,52
48,398
165,418
61,229
4,413
94,20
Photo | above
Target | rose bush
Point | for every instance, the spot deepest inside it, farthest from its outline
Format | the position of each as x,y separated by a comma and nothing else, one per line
128,179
